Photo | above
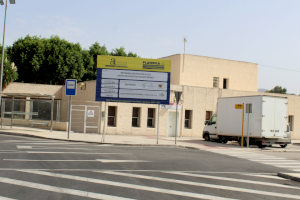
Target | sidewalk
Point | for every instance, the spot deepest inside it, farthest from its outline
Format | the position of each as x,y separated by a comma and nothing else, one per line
182,142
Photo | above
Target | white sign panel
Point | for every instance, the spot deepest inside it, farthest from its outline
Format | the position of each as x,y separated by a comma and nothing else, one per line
71,84
115,95
106,81
91,113
134,75
142,94
143,85
110,85
103,90
171,106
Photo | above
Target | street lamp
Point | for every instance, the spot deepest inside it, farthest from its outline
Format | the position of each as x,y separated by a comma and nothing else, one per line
2,61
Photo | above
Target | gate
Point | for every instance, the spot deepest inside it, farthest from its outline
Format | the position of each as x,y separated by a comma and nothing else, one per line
85,119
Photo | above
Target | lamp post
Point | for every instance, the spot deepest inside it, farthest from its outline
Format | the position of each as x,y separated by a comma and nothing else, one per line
2,61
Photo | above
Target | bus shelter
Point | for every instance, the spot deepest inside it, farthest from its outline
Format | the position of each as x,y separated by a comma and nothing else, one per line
27,113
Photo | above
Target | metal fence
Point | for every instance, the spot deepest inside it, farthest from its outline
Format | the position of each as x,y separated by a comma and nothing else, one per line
85,118
29,112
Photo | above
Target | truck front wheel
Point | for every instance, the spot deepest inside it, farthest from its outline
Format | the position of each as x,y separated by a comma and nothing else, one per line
283,146
206,137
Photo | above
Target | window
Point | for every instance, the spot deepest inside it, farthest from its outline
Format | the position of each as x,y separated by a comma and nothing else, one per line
150,119
213,120
208,115
216,82
135,117
111,119
291,122
187,119
225,83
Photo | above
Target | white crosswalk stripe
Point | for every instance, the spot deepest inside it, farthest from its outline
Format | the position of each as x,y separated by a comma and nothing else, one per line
178,181
275,161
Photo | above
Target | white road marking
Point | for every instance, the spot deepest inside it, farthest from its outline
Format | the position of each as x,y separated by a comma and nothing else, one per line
6,198
297,170
235,180
60,189
97,160
263,159
207,185
126,185
24,147
265,176
71,152
280,163
115,161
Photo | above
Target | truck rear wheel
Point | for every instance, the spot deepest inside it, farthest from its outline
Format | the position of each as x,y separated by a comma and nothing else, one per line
283,146
244,142
260,145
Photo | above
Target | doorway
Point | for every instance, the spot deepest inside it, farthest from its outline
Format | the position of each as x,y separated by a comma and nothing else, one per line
172,123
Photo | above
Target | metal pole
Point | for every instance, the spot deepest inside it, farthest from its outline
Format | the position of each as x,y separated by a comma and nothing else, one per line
2,61
242,140
84,123
2,112
103,135
157,123
69,117
99,121
52,108
12,111
248,132
176,122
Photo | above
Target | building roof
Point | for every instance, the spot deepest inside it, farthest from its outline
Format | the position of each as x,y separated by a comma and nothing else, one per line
31,95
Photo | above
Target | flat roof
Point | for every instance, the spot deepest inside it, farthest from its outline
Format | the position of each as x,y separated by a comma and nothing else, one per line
31,95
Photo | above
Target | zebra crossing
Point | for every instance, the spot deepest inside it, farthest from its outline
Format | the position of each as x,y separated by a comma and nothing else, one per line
60,170
274,161
199,184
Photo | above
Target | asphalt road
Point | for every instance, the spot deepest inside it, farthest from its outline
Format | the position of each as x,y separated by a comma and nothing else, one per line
33,168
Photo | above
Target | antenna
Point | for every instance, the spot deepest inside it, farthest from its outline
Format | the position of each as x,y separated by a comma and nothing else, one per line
184,41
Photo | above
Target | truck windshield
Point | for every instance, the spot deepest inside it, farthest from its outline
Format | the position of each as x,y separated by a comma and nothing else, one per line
214,119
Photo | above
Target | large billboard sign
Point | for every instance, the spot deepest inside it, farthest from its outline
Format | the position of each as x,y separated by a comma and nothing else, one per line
133,80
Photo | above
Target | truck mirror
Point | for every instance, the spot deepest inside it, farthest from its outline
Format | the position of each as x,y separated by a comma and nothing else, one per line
287,128
206,122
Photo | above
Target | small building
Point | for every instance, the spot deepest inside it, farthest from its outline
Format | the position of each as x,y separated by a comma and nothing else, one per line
202,80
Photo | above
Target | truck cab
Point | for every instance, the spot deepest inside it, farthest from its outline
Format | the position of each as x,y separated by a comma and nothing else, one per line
210,129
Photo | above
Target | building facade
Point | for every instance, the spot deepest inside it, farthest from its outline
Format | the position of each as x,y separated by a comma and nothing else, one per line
202,80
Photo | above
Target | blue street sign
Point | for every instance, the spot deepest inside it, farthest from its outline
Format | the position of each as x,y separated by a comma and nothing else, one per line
71,87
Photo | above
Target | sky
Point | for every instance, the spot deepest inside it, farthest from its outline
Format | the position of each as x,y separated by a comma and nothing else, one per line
264,32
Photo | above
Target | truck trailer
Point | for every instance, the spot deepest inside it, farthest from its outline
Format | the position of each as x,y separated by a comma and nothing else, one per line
263,118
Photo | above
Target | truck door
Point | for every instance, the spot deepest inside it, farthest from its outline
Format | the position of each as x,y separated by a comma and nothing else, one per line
212,127
268,120
280,117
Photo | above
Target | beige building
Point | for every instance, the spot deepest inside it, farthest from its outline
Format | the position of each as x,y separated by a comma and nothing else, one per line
202,81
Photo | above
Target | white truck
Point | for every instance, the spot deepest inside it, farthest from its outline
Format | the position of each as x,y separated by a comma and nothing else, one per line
266,125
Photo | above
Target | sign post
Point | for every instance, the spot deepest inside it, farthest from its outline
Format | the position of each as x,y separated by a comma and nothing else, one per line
71,90
241,106
248,110
177,96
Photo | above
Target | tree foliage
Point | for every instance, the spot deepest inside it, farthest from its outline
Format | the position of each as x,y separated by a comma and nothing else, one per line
52,60
277,89
10,73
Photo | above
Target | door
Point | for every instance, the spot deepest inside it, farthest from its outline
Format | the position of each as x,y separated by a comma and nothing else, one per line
172,124
280,117
268,120
212,127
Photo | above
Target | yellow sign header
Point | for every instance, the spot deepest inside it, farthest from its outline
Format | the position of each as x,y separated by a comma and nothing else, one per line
131,63
239,106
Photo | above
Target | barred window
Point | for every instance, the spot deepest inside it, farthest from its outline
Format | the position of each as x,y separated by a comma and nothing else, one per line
111,118
216,82
150,119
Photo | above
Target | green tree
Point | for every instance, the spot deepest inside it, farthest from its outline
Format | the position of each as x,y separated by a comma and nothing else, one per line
277,89
10,73
121,52
51,61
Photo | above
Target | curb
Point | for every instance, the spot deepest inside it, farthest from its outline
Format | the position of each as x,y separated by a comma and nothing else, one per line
156,145
288,176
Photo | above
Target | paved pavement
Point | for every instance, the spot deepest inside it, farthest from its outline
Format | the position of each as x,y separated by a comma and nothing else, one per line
195,143
37,168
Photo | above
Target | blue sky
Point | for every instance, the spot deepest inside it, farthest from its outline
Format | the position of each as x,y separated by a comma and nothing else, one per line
265,32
